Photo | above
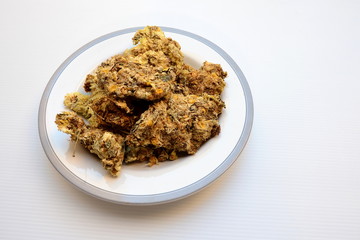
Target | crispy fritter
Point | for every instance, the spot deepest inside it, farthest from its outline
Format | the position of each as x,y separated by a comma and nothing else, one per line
102,111
146,104
148,154
208,79
146,71
181,123
152,39
108,146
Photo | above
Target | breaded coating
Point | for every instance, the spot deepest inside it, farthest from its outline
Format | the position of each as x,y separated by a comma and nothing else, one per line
208,79
146,71
149,154
102,111
108,146
152,39
146,104
181,123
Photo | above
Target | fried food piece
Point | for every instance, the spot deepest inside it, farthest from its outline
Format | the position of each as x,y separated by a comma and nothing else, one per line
208,79
146,104
108,146
102,111
181,123
151,39
148,154
146,71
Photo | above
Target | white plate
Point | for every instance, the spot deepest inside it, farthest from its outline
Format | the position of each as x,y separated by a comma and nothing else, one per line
138,184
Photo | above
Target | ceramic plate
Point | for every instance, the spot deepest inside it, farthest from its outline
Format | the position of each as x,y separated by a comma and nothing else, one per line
137,183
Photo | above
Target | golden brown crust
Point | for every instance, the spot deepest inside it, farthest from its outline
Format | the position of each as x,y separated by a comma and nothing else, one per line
146,104
102,111
108,146
181,123
146,71
208,79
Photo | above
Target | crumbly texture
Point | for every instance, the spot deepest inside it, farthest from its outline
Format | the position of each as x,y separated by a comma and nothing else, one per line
146,104
108,146
209,79
101,111
146,71
181,123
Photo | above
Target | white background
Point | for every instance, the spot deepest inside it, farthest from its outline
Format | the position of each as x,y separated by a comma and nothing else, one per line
299,175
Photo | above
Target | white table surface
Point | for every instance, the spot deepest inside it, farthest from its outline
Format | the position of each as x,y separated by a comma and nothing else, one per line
297,178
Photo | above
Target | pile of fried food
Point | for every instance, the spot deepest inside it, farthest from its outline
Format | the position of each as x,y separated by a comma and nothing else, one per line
145,105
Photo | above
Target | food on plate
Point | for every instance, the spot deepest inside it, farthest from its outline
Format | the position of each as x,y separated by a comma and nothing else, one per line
181,123
106,145
145,105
